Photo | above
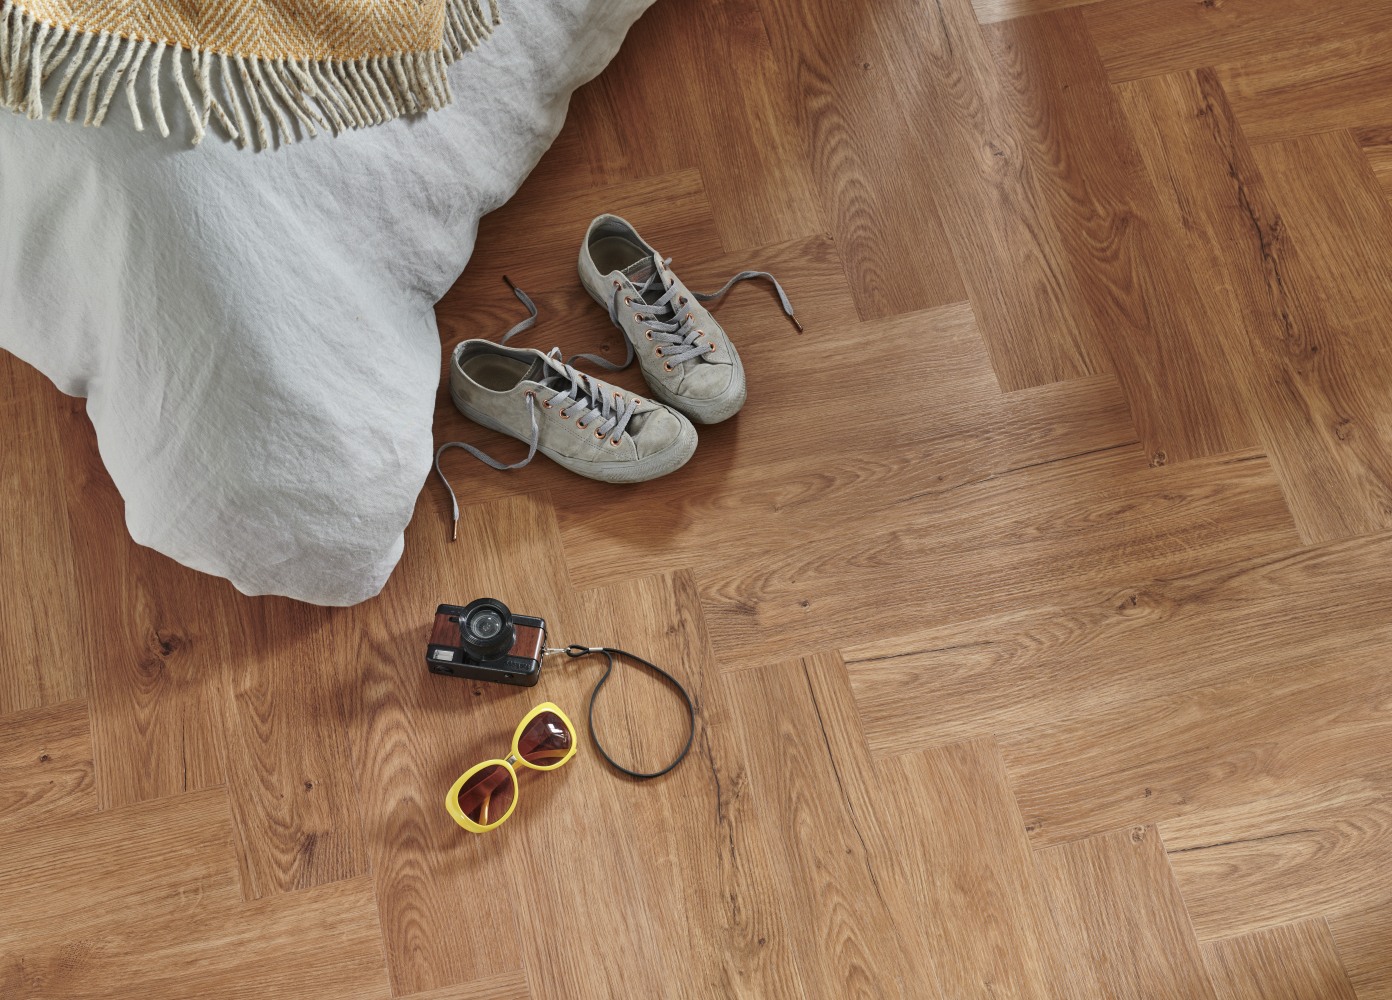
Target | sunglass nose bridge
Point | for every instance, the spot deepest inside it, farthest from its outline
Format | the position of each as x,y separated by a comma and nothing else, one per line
512,758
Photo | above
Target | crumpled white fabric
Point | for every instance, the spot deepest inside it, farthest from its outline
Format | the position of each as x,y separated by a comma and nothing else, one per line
255,332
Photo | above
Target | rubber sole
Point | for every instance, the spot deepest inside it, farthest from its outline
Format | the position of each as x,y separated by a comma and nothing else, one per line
663,463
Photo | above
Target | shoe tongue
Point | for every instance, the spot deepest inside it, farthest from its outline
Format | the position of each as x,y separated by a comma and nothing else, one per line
640,272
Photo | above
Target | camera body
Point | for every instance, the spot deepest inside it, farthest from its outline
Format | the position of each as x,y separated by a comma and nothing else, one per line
484,641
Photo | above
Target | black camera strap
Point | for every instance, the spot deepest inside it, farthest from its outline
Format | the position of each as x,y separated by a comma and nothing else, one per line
575,651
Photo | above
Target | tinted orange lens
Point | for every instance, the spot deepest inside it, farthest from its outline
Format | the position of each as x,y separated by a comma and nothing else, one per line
486,796
545,741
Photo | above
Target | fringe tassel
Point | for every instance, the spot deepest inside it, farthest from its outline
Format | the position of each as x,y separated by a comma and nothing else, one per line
263,102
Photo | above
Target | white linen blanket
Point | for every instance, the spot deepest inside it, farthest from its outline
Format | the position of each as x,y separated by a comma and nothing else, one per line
255,333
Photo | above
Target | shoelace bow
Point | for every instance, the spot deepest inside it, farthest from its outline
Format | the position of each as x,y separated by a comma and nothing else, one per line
670,327
584,396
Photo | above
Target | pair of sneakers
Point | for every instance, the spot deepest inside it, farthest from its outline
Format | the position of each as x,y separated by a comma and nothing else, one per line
584,423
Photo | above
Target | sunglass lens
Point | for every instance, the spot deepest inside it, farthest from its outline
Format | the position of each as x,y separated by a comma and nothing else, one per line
486,796
545,741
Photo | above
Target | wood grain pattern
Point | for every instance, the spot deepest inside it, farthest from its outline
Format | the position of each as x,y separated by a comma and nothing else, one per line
155,860
992,934
1140,38
1235,862
507,986
1031,232
46,767
1080,510
1308,366
295,772
412,733
1364,940
43,666
1065,524
316,945
1295,728
805,833
1114,895
1296,961
868,154
1376,143
990,11
154,651
1119,647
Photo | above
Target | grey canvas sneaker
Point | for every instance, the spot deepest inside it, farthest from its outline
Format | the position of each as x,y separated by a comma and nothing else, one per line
589,426
685,355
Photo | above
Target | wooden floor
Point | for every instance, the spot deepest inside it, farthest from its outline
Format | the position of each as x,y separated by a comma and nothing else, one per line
1039,604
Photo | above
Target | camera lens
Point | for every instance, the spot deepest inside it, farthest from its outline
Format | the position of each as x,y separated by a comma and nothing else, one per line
485,629
486,624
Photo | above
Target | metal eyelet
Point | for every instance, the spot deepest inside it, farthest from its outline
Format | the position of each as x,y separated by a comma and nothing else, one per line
650,335
658,352
564,415
598,436
616,443
628,301
668,367
545,403
681,300
689,317
617,285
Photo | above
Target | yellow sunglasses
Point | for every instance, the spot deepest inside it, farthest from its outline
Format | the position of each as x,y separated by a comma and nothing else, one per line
485,795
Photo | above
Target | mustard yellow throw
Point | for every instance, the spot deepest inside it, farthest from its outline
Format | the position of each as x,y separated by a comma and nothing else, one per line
261,70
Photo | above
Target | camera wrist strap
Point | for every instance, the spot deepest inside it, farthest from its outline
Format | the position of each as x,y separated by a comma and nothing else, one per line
575,651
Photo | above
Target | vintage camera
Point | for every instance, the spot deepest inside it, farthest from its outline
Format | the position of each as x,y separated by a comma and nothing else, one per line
485,641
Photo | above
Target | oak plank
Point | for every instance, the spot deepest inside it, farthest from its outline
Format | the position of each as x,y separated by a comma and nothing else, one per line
804,835
164,858
745,140
1364,939
1338,364
1295,961
290,779
412,733
504,986
950,843
869,157
1299,727
316,945
1277,224
155,654
1141,38
1119,647
1376,143
988,552
1040,234
990,11
642,858
42,662
46,767
1302,849
1114,897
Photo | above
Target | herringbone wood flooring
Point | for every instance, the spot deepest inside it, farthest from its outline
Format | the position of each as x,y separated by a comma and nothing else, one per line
1037,605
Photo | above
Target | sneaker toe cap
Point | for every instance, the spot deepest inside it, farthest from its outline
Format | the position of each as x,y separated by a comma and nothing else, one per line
706,382
657,431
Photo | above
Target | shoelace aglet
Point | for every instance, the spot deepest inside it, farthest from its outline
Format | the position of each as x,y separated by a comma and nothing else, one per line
454,531
509,283
796,324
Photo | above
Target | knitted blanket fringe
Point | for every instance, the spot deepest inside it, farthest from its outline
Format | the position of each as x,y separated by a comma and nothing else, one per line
46,68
